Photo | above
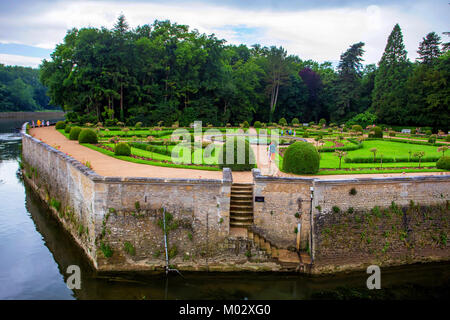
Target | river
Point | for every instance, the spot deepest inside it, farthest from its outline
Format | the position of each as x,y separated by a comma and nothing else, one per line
35,253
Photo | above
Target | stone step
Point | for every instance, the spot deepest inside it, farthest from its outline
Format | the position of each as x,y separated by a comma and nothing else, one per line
241,218
241,197
241,206
242,185
238,192
241,214
240,223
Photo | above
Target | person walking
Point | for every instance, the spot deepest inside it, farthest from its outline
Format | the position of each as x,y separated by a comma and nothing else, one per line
272,150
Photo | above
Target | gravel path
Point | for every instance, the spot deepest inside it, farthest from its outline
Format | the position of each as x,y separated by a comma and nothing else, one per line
108,166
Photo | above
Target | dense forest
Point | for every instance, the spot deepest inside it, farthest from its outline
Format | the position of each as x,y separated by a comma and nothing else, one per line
21,90
166,72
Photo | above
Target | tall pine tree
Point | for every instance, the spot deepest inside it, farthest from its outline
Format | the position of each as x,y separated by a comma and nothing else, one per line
389,95
429,48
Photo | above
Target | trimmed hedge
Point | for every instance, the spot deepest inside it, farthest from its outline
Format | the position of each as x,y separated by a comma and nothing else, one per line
443,163
67,128
389,159
60,125
74,133
301,157
257,124
355,146
151,148
231,145
122,149
87,136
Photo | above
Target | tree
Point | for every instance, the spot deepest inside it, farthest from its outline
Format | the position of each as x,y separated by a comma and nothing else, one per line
348,82
340,154
429,48
277,75
419,155
389,94
374,151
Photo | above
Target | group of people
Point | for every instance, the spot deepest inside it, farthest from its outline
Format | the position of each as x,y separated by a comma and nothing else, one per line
40,123
289,132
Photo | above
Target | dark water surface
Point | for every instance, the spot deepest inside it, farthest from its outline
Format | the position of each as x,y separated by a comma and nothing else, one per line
35,253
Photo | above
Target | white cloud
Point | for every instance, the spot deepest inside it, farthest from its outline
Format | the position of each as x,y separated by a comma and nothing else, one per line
319,34
13,59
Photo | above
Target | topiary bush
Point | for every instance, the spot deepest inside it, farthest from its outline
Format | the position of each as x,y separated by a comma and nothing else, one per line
257,124
74,133
376,132
67,128
432,138
447,138
301,157
122,149
295,122
87,136
231,145
60,125
282,122
357,128
245,124
443,163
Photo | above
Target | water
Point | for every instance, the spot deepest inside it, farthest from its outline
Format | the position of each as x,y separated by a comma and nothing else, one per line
35,253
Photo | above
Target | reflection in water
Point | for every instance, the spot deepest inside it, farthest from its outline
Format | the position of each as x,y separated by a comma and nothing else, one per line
35,253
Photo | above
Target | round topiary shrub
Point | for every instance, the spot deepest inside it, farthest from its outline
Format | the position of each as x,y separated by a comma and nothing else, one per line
257,124
67,128
60,125
301,157
295,121
282,122
357,128
74,133
231,148
432,138
376,132
443,163
245,124
87,136
122,149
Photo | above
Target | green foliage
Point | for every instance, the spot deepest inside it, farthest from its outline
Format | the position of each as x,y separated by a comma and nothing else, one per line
229,157
106,249
443,163
282,122
432,138
357,128
245,124
336,209
173,251
87,136
363,119
376,132
301,158
122,149
74,133
129,248
55,204
257,125
295,121
60,125
352,191
67,128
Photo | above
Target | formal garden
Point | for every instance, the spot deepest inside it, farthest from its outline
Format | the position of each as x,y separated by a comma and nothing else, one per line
301,148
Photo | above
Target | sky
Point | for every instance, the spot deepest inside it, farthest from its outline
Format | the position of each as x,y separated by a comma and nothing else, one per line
317,30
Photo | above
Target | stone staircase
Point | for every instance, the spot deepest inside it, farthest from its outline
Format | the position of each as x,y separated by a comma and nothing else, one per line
241,205
285,254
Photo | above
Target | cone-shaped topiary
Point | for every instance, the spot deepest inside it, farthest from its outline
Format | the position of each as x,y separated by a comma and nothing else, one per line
87,136
229,157
74,133
443,163
122,149
301,157
60,125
